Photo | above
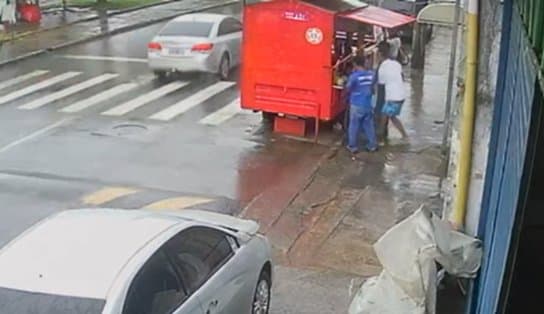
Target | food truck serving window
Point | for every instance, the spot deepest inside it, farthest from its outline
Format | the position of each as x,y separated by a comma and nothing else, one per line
379,17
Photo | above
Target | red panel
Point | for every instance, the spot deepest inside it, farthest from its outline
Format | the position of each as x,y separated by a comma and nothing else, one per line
282,71
30,13
378,16
290,126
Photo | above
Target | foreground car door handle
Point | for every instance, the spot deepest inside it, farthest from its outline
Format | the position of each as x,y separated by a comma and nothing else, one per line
212,306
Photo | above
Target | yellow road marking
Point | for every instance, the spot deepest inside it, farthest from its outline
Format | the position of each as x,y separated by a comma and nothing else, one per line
107,195
177,203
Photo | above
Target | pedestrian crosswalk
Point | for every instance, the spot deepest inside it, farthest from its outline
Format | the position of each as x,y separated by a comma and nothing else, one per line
188,103
223,114
99,98
68,91
36,87
112,95
144,99
22,78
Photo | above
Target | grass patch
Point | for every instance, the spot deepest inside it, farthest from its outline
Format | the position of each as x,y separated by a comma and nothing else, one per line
110,4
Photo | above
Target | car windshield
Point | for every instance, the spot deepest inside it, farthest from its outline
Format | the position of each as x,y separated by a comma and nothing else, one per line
15,301
187,28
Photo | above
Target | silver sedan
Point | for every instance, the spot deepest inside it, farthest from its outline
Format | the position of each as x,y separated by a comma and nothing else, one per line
103,261
200,42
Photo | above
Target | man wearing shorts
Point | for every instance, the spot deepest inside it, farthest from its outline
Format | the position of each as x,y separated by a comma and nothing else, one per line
381,130
390,75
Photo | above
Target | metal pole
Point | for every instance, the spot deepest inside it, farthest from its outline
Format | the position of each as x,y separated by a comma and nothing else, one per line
451,76
467,118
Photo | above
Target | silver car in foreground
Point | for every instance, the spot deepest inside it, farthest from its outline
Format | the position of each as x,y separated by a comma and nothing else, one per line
103,261
200,42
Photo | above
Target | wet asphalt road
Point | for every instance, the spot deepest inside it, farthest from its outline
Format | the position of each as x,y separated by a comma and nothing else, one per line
59,150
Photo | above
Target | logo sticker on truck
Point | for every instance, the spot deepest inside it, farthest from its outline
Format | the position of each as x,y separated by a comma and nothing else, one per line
314,35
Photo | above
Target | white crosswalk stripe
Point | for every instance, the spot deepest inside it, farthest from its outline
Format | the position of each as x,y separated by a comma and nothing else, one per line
22,78
133,97
68,91
192,101
145,99
38,86
105,58
223,114
98,98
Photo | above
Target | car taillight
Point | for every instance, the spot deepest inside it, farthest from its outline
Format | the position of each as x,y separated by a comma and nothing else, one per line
154,46
202,47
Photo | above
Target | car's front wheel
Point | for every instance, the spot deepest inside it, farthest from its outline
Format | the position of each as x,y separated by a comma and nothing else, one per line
261,300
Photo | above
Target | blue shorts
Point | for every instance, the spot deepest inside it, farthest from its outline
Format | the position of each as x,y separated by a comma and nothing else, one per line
392,108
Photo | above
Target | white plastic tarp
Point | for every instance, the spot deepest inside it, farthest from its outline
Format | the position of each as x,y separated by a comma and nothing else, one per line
409,253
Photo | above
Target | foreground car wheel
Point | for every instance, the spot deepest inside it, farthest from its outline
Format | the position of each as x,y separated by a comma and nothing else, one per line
224,67
261,300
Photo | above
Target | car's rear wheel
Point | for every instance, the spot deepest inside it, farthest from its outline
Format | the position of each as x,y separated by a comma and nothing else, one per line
224,67
261,299
161,75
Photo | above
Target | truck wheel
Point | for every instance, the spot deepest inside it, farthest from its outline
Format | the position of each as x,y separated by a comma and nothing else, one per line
268,117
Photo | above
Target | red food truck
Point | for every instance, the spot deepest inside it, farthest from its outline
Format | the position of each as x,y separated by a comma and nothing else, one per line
295,56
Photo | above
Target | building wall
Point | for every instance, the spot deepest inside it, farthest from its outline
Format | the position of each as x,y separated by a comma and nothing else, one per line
490,27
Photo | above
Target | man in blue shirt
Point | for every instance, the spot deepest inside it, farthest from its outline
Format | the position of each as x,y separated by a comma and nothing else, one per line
359,88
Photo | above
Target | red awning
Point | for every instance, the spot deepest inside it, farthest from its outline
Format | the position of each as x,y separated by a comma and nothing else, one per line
378,16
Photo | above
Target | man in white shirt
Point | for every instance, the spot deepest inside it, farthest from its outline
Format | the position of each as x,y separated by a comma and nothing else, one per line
390,75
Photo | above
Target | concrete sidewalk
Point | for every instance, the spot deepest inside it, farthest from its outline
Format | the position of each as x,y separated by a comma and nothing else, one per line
328,228
50,20
62,31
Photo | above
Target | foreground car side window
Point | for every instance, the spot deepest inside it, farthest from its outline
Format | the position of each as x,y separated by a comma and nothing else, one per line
223,28
236,25
156,289
198,253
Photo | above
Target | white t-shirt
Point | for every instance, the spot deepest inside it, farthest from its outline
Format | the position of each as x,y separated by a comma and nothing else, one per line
390,75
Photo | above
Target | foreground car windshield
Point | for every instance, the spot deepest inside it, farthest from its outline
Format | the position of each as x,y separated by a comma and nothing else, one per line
14,301
190,29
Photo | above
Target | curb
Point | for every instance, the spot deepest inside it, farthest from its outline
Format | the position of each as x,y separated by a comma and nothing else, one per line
115,31
89,18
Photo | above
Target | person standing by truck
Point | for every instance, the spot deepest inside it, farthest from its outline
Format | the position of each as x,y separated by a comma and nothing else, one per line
381,128
390,75
360,89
